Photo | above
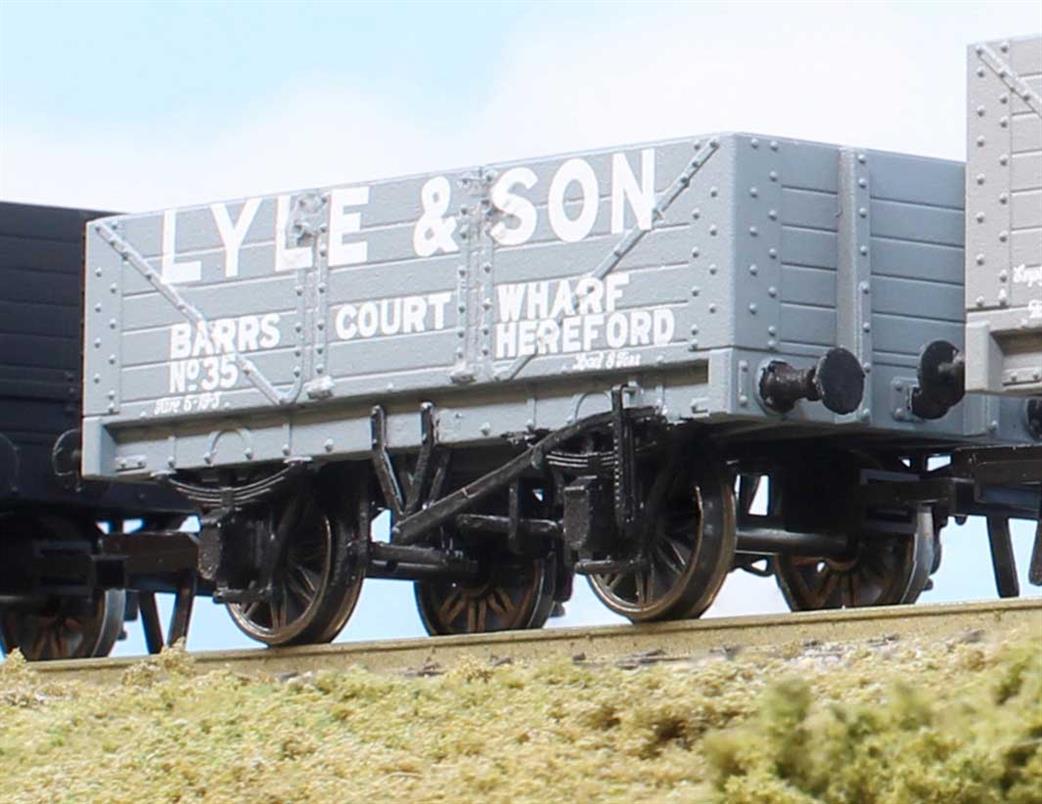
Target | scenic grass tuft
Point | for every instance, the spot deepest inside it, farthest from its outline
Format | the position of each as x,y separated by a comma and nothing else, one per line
956,721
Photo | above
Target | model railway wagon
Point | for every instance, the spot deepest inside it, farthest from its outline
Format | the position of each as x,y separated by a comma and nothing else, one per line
1004,217
578,365
1004,266
63,581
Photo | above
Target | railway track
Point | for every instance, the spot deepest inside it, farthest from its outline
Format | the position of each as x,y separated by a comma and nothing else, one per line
622,644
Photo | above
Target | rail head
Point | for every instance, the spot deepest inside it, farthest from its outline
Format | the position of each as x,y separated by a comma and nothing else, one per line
666,640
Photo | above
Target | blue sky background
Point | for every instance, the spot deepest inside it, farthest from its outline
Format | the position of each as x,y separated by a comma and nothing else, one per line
137,105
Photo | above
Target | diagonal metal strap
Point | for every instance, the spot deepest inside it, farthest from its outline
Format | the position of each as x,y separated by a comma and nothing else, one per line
169,292
633,236
1010,78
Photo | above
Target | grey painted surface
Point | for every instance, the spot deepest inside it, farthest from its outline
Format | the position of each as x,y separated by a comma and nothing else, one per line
765,249
1004,224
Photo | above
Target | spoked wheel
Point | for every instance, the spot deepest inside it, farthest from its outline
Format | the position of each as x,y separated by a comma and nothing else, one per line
513,596
883,570
313,588
689,549
62,627
68,628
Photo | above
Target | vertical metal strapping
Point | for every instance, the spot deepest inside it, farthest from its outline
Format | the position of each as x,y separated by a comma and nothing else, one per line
483,261
473,282
308,228
854,264
103,316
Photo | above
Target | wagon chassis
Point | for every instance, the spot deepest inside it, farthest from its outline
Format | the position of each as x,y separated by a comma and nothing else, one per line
418,506
596,492
999,483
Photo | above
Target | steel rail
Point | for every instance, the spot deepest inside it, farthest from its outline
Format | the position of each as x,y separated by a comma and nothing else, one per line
653,642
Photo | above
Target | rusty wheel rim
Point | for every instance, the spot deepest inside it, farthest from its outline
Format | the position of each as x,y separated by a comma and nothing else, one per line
67,629
884,570
300,582
811,583
687,554
670,557
511,598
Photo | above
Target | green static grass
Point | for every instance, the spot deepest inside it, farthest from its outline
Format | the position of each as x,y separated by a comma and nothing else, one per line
904,721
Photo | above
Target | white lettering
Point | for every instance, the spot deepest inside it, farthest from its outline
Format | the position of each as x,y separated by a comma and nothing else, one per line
249,329
269,327
511,297
506,340
616,330
570,331
591,295
179,376
202,343
1027,276
433,231
572,230
224,335
401,315
564,302
368,319
233,234
414,311
529,324
180,340
203,354
513,206
663,325
538,299
229,372
438,302
345,322
390,316
640,328
526,337
212,378
613,289
548,337
624,188
572,204
382,317
176,272
591,329
343,223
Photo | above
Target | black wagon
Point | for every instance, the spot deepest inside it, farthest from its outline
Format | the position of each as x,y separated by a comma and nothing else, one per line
64,566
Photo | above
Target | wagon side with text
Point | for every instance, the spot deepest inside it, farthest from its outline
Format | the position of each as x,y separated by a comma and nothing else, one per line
590,364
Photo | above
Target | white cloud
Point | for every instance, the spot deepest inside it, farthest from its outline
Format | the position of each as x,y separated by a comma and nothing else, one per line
300,139
877,76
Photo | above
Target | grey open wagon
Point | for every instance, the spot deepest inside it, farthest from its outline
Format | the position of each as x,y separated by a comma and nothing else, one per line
647,365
